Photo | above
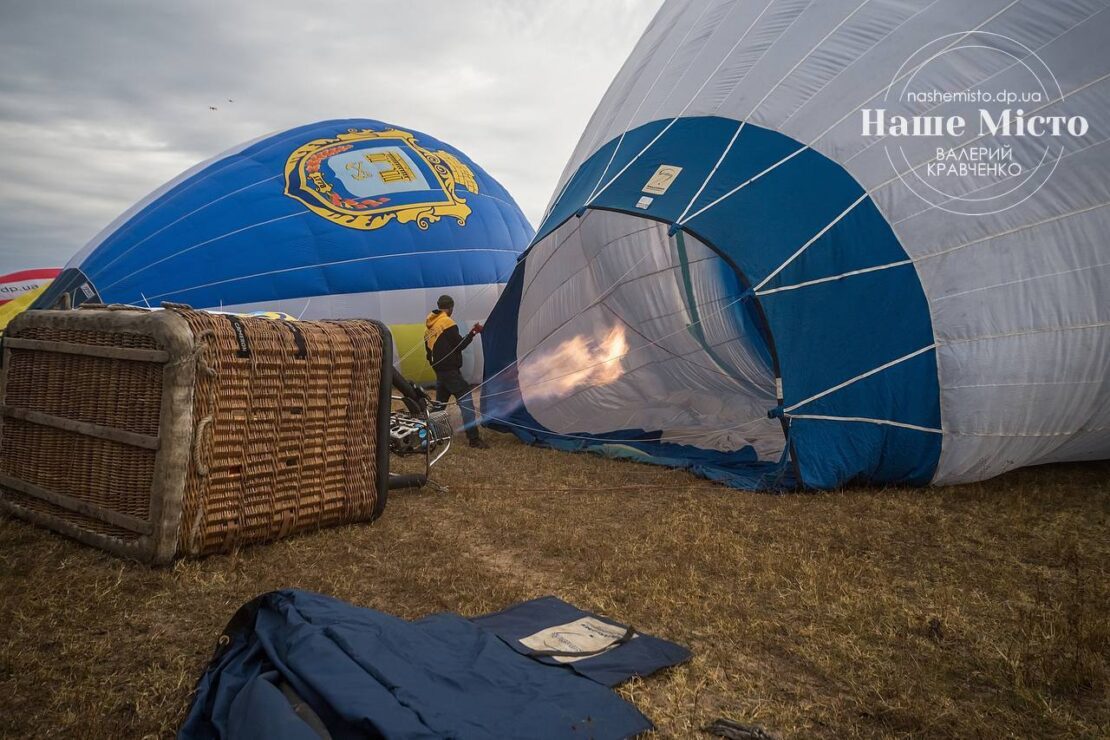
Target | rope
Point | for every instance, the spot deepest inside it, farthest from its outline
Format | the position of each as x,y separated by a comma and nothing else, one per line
583,489
200,346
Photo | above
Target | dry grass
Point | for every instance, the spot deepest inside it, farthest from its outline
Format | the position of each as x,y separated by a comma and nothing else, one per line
970,611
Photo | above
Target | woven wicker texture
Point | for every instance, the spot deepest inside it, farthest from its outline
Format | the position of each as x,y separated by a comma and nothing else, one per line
73,518
73,386
100,472
284,431
284,443
129,340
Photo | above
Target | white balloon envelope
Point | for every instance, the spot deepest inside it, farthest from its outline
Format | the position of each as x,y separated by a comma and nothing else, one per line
845,241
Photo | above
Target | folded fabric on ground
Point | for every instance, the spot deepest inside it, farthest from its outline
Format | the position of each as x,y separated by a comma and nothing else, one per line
557,633
299,665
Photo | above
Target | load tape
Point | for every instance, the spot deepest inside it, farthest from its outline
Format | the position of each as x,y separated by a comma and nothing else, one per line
240,335
298,339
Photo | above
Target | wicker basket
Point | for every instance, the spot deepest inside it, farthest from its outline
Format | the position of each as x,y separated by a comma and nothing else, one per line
156,434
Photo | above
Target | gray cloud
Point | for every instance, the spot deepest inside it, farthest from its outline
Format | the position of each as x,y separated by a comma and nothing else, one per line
101,102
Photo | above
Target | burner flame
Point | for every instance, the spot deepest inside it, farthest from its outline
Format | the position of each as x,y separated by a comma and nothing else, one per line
575,364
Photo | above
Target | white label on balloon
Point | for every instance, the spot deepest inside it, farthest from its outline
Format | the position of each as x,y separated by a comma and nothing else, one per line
662,179
644,202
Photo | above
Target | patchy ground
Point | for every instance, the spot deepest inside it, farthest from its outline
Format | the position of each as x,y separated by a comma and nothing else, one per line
972,611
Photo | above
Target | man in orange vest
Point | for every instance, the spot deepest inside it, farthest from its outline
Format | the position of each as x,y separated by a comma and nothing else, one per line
444,346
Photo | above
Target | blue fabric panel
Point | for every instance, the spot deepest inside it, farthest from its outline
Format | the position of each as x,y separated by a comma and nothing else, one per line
640,656
883,396
590,175
764,223
865,453
366,673
841,250
233,219
737,469
72,282
829,333
695,144
756,149
393,273
226,178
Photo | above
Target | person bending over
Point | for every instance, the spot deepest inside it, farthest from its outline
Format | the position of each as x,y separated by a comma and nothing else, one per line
444,346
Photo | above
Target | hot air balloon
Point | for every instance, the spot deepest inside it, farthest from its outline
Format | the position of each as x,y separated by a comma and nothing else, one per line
18,290
343,218
812,244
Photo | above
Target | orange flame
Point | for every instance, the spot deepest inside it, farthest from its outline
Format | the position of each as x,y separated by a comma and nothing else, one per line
576,363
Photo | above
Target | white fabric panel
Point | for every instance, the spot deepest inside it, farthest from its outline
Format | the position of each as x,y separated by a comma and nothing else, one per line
473,303
545,276
391,307
676,36
734,50
623,272
1027,412
830,63
1019,298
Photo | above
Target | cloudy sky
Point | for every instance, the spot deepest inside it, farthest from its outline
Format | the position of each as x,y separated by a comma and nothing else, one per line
101,101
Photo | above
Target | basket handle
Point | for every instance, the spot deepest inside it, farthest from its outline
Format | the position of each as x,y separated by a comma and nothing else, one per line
198,440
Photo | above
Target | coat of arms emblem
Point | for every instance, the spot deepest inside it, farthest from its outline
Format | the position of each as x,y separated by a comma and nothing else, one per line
364,179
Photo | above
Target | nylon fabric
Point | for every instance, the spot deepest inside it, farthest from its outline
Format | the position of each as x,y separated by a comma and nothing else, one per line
853,262
806,220
335,219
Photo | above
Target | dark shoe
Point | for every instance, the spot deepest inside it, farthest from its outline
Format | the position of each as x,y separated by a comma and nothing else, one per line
479,444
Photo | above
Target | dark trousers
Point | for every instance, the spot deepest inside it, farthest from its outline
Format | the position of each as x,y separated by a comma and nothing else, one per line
451,383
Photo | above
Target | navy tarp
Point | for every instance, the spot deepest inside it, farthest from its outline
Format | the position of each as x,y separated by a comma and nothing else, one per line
368,674
633,655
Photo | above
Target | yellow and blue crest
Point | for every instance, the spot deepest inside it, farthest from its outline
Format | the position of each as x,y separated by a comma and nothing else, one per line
366,178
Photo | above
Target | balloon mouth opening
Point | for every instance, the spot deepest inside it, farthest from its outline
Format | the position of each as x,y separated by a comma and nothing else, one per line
653,340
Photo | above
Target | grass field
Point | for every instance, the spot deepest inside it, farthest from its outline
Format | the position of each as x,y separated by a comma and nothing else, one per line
975,611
